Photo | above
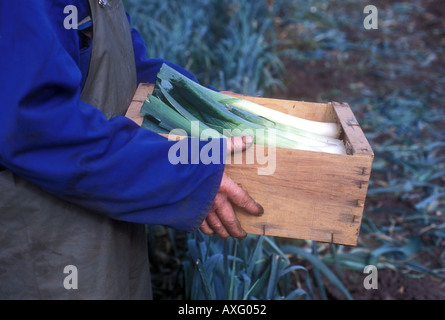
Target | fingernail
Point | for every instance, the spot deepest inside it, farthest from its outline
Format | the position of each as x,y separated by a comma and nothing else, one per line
260,207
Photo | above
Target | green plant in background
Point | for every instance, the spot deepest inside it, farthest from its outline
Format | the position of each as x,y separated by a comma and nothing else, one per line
255,268
228,44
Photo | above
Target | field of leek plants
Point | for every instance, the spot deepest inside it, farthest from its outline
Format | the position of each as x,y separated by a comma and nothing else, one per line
319,50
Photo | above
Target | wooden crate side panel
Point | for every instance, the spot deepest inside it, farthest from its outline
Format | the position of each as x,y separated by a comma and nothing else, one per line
310,196
134,110
354,137
144,89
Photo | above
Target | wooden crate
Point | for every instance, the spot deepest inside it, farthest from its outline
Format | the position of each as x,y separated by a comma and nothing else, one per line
310,195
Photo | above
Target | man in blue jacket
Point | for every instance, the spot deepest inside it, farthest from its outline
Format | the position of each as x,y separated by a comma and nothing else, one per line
78,180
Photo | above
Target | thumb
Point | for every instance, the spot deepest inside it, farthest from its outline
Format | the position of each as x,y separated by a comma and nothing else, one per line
239,144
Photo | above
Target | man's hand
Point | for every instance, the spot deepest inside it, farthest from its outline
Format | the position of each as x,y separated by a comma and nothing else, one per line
221,218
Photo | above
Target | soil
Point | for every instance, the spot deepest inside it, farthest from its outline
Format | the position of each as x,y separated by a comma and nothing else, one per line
322,80
391,286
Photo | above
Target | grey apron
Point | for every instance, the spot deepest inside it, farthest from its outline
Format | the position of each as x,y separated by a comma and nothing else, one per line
52,249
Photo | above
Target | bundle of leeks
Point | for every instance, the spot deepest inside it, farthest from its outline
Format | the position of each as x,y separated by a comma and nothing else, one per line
180,103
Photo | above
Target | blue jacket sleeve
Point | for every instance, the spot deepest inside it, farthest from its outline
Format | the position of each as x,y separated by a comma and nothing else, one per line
68,148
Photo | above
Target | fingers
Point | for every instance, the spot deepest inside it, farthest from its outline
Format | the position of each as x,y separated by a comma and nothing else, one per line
223,221
216,225
240,197
221,218
239,144
205,228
